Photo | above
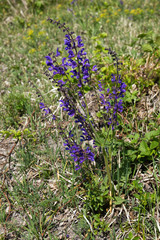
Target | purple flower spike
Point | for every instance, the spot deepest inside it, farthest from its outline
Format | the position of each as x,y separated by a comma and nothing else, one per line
73,77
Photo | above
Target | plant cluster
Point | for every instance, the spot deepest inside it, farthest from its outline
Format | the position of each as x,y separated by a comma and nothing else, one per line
74,77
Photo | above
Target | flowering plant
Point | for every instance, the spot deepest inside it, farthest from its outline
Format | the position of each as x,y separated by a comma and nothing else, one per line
76,79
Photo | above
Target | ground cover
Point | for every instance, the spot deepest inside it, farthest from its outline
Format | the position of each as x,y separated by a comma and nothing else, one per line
42,195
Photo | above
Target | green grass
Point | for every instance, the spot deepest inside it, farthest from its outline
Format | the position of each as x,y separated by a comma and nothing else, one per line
42,196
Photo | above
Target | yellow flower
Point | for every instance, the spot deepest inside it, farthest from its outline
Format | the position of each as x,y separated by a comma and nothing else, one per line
132,11
139,11
102,15
136,11
126,11
26,38
107,21
115,13
58,6
30,32
151,11
43,21
32,50
41,33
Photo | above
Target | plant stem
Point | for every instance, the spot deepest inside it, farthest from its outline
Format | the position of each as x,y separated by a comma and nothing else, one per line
108,170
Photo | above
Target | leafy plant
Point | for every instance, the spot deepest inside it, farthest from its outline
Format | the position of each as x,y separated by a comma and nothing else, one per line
97,195
16,105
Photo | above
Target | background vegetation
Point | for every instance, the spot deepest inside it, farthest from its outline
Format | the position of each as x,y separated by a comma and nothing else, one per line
42,196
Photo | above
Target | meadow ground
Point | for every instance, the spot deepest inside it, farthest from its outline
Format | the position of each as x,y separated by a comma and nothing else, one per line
42,195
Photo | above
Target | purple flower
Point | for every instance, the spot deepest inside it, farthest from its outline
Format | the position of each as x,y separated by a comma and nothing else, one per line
58,53
67,107
53,117
73,64
49,61
45,109
67,42
100,86
113,79
71,54
79,42
78,154
74,1
42,105
77,167
80,94
81,53
74,73
94,68
71,112
61,83
86,63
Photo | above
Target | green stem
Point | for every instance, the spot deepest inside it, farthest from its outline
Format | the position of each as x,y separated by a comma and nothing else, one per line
107,167
108,162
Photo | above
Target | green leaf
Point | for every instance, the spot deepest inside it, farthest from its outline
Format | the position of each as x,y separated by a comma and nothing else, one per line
140,61
154,144
136,238
157,40
98,45
99,114
147,47
103,69
118,200
130,235
144,148
86,89
136,195
158,52
134,40
142,35
103,35
152,134
134,137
